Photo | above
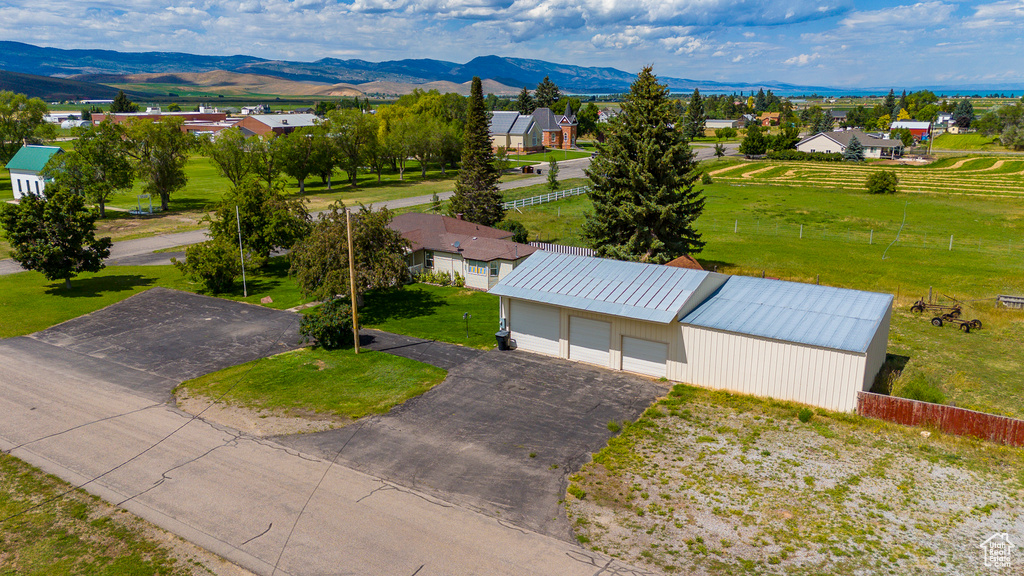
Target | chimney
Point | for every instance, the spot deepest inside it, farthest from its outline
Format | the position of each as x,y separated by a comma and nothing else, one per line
459,215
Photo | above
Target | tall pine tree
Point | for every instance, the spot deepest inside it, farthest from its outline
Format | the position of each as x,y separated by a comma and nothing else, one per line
695,121
547,93
854,150
525,103
645,203
476,189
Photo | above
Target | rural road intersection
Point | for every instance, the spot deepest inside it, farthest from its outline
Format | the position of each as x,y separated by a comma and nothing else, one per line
87,401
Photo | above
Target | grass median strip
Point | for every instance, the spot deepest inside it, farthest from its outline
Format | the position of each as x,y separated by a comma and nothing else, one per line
434,313
338,382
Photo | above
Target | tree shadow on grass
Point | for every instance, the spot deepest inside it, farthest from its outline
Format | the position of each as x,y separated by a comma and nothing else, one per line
715,265
98,286
380,307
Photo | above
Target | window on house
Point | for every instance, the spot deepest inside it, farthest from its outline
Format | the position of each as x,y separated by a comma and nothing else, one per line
494,268
37,192
476,267
19,184
428,259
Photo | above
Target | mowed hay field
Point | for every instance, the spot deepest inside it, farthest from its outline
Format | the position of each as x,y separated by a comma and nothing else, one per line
962,176
852,239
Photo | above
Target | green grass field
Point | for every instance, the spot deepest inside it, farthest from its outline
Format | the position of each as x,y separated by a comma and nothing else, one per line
338,382
75,533
974,141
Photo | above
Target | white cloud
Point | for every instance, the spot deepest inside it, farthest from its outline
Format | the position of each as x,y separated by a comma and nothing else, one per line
914,16
802,59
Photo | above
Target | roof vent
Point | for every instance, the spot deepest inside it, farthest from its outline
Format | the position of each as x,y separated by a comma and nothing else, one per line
284,121
474,237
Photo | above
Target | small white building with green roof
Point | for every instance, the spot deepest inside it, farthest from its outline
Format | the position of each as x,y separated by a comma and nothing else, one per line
25,168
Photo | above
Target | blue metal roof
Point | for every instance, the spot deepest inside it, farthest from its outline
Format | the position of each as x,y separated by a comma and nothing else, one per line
822,316
628,289
502,122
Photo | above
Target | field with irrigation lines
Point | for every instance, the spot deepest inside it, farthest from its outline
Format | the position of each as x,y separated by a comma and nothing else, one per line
992,176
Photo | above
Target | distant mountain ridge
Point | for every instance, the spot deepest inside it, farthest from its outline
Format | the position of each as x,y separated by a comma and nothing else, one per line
514,72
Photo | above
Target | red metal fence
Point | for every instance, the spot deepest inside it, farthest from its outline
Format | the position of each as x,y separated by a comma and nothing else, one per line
949,419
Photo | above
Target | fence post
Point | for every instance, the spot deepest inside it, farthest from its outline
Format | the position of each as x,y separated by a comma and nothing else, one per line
801,231
950,242
871,238
736,227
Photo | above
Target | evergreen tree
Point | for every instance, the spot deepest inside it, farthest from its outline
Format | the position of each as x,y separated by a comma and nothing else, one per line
854,150
901,105
754,143
694,121
524,104
121,103
552,174
643,177
55,235
760,101
547,93
476,188
963,115
890,102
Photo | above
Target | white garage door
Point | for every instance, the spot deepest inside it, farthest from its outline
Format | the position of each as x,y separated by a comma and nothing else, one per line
534,327
589,341
644,356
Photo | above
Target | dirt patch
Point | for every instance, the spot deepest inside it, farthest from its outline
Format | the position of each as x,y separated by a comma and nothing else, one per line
258,422
713,488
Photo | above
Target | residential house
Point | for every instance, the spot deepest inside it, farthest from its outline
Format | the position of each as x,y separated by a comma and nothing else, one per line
517,133
606,114
481,254
712,124
874,147
557,131
806,343
26,167
260,124
837,116
769,118
919,130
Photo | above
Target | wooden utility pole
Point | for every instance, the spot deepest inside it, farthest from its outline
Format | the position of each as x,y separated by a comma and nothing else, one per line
352,279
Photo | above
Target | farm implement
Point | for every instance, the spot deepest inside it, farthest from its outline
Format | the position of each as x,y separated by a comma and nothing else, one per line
946,314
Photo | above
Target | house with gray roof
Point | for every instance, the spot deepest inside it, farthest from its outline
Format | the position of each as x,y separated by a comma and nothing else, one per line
26,167
817,345
260,124
831,142
515,132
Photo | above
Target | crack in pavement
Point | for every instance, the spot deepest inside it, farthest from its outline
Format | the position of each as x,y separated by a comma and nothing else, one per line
269,526
83,425
609,566
389,486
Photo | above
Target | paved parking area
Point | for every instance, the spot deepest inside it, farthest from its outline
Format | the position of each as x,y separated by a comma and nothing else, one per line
500,435
156,339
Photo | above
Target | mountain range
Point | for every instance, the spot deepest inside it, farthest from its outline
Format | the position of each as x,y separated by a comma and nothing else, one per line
512,72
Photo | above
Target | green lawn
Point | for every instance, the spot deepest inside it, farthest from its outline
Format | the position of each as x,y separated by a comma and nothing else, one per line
338,382
434,313
973,141
75,533
556,154
982,369
29,302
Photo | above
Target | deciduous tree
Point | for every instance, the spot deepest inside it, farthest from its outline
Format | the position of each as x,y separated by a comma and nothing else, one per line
21,120
97,167
268,219
230,153
160,151
882,182
320,262
55,235
754,143
644,176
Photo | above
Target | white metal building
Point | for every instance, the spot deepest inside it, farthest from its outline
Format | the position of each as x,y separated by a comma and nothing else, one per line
812,344
26,169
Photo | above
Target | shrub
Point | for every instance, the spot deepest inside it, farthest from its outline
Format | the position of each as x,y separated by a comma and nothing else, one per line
329,326
805,415
212,263
705,178
458,280
918,387
614,427
806,156
576,491
519,232
882,182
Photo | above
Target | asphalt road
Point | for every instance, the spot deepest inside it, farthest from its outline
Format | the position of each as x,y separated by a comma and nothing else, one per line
74,408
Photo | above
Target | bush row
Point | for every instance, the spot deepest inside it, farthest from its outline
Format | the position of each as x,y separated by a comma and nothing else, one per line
809,156
441,278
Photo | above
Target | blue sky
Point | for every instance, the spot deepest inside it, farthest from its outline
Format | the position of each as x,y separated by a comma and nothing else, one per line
811,42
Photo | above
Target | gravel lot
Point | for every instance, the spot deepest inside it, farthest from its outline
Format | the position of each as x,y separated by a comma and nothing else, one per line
711,483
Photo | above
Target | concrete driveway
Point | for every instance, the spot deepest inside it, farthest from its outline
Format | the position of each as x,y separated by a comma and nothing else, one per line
500,435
